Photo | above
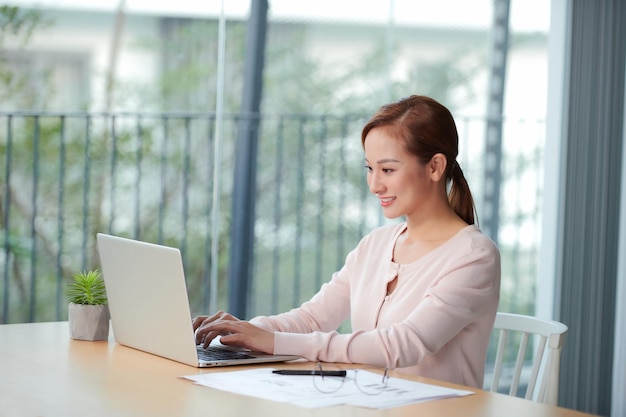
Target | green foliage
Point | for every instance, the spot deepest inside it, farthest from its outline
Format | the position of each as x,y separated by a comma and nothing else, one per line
17,26
19,23
87,288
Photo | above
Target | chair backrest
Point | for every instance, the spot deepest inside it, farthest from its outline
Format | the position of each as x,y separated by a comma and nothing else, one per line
548,337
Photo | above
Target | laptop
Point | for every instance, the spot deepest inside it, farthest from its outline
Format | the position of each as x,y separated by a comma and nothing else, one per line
149,305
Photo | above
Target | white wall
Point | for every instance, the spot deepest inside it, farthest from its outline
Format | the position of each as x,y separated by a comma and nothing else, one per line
618,406
91,34
547,305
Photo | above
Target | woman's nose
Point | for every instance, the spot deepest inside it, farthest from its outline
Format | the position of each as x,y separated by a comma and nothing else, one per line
374,183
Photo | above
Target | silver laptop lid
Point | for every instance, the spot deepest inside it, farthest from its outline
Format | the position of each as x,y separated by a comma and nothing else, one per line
148,299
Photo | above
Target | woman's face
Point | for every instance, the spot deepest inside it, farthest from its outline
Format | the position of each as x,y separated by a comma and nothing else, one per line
396,177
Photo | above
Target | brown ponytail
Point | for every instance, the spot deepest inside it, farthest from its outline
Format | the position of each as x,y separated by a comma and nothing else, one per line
427,127
460,196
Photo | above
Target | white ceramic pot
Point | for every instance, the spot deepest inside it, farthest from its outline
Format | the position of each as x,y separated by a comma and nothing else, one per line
88,322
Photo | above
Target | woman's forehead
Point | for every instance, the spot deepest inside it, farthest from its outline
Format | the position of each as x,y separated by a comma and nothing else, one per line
382,141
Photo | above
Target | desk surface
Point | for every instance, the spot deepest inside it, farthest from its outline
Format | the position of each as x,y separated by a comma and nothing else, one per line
45,373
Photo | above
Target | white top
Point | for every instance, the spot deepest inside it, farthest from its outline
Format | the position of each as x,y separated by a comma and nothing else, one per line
436,323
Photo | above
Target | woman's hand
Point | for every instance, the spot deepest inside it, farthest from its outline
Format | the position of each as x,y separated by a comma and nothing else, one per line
232,331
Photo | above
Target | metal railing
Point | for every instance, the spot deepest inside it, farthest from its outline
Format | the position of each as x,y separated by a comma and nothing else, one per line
67,176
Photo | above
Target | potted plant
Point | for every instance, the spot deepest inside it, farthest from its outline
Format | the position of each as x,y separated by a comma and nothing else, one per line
88,312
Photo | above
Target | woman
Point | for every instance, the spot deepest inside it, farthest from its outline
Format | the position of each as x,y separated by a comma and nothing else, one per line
421,295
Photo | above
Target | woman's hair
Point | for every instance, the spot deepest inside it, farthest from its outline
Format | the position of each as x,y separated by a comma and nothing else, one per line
426,128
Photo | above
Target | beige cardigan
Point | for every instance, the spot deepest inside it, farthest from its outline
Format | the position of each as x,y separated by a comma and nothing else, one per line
435,324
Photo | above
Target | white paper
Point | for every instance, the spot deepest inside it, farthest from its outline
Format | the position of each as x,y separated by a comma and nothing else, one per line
302,390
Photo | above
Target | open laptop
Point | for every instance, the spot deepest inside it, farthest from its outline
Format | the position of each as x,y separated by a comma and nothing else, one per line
149,305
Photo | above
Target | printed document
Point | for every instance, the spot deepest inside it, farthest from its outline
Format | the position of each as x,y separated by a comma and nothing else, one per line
359,388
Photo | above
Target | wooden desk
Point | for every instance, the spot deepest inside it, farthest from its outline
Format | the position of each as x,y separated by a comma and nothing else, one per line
45,373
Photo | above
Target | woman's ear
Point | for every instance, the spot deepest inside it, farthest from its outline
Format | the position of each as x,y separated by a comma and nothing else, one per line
437,167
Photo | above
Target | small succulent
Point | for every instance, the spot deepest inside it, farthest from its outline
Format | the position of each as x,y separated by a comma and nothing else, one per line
87,288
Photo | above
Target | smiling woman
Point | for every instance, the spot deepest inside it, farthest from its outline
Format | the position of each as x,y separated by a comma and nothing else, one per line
421,295
419,129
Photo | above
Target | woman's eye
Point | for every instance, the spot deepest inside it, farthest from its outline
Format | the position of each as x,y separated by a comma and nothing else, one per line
368,168
387,170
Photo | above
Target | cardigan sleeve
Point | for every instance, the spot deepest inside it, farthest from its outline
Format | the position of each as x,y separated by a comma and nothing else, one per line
331,306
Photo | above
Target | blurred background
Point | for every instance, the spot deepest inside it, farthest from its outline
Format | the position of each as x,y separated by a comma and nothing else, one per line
130,117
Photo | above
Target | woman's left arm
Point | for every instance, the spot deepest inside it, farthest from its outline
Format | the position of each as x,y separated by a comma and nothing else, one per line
467,292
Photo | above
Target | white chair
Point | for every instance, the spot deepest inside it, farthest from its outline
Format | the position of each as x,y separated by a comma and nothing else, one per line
549,337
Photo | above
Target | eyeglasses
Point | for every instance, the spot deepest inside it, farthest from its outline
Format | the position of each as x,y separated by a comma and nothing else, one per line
330,384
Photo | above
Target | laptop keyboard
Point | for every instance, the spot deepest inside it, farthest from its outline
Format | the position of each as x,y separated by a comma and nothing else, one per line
215,353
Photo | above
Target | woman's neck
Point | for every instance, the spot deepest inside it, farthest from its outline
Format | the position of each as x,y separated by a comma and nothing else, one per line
439,226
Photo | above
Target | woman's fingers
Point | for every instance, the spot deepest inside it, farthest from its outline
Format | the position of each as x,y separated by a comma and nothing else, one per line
249,336
197,321
203,320
235,332
208,328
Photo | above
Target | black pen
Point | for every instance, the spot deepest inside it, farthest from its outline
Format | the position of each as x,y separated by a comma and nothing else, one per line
308,372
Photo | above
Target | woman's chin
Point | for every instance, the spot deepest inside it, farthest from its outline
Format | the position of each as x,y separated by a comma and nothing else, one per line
391,215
